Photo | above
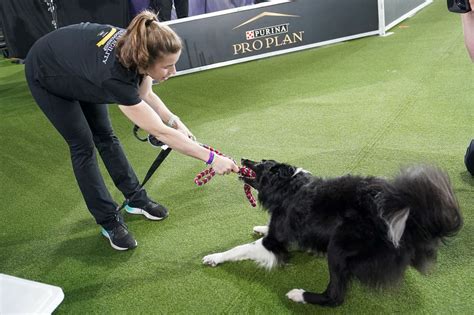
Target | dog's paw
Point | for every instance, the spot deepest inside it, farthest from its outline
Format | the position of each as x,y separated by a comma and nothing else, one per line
260,229
212,260
296,295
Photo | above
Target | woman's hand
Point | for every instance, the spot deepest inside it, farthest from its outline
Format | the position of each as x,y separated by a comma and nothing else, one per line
223,165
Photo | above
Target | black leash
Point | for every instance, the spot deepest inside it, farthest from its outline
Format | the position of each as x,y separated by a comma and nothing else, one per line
165,151
159,159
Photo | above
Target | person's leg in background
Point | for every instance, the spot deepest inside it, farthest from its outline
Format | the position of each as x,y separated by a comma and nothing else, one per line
182,8
163,8
469,158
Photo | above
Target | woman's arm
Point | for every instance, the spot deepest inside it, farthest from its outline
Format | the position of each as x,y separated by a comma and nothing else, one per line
173,121
147,119
147,94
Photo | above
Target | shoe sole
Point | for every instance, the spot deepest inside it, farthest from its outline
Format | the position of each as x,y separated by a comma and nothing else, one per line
142,212
104,233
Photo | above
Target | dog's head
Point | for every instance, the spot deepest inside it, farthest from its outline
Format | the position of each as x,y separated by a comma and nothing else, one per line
268,173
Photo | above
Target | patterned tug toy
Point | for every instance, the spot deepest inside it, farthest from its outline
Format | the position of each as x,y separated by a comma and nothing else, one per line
206,175
201,178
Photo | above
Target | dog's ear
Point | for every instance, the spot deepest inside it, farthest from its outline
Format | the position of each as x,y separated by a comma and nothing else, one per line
285,171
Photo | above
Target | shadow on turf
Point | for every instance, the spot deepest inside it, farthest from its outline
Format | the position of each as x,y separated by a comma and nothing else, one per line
114,282
85,243
467,178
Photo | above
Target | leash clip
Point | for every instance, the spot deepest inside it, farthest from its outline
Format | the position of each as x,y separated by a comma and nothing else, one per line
150,139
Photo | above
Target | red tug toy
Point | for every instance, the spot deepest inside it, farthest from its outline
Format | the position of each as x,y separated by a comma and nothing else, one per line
205,176
201,178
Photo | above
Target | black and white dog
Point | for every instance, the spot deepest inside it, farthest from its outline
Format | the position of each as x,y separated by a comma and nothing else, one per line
371,228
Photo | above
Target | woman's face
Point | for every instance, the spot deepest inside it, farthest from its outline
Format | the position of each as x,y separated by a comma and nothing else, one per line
164,67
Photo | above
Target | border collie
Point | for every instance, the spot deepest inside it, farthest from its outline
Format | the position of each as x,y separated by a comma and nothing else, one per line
370,228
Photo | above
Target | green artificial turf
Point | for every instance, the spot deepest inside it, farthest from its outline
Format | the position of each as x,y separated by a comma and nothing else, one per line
366,106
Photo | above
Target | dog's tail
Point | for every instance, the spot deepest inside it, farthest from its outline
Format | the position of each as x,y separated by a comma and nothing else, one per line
421,198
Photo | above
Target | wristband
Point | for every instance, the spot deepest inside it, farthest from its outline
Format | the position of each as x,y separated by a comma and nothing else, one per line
173,119
211,158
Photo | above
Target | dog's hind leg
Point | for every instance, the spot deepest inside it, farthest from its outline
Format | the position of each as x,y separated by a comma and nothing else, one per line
335,292
254,251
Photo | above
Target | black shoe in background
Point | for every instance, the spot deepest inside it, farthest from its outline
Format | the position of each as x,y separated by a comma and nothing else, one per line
150,209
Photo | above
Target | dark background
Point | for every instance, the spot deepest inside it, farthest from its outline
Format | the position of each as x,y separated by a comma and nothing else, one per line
24,21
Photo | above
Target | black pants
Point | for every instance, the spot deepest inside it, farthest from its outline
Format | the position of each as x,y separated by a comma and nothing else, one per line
164,7
87,126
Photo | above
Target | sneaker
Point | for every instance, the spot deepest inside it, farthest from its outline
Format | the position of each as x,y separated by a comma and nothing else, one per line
151,210
119,236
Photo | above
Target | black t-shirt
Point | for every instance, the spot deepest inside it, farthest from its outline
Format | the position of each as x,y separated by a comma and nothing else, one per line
78,62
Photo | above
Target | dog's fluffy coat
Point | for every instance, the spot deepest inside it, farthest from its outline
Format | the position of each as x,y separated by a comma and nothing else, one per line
372,229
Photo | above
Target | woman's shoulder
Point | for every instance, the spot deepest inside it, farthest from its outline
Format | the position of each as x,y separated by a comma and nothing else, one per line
124,74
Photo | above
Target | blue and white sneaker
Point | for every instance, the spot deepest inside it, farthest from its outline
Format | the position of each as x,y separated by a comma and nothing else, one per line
151,210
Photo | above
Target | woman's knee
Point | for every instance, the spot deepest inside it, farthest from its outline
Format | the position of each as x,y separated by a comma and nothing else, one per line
105,138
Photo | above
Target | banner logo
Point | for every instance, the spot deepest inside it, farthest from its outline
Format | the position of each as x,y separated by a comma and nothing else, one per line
267,31
267,38
261,15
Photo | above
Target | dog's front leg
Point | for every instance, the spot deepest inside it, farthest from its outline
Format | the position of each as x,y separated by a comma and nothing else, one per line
254,251
261,229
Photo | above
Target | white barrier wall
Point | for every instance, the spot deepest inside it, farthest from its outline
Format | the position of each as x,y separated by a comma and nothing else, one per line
392,12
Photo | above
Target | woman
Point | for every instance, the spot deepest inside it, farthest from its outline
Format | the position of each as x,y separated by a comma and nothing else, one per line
73,72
